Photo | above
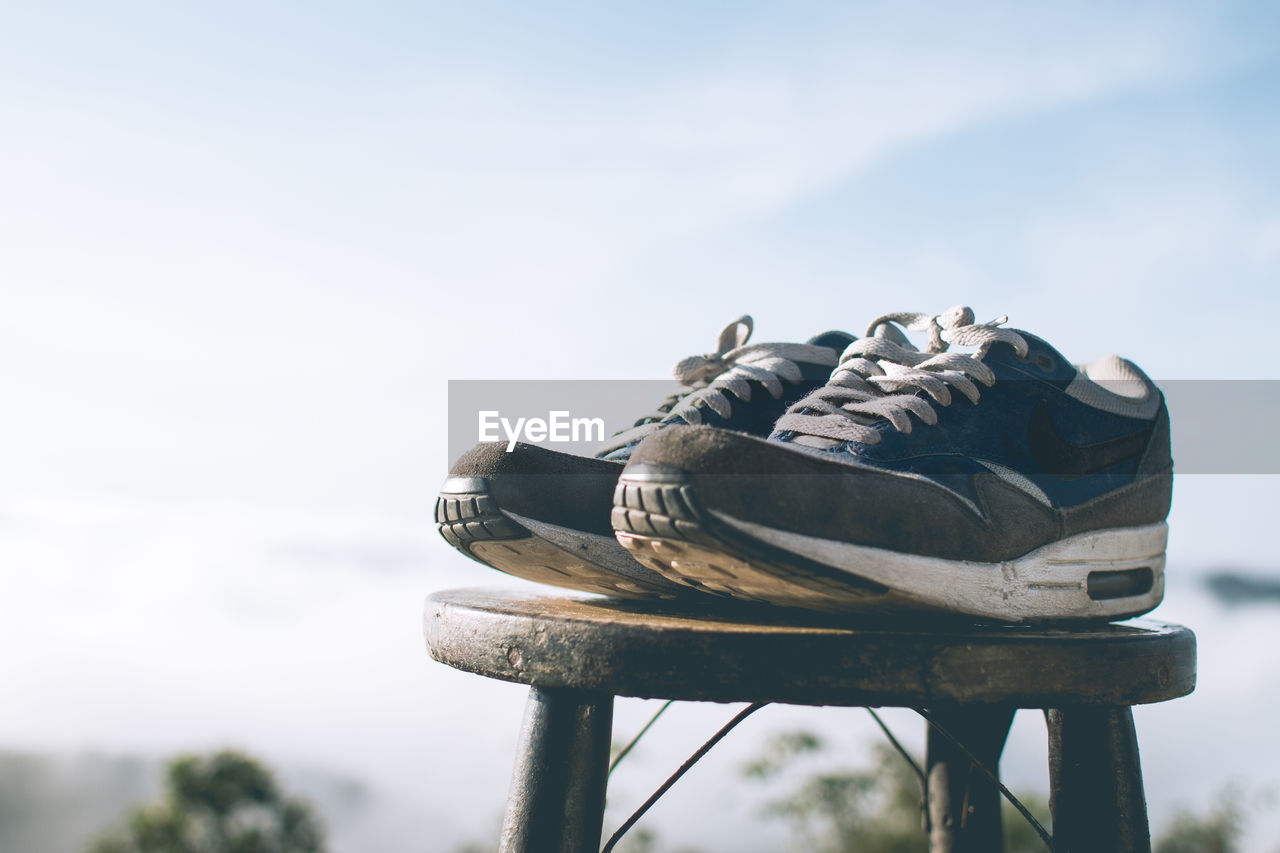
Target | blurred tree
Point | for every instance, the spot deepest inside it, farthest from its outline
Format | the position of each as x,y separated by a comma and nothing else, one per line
877,809
221,803
1217,832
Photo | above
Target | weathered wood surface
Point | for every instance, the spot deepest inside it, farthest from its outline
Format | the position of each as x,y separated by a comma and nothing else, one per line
557,792
734,654
964,804
1095,782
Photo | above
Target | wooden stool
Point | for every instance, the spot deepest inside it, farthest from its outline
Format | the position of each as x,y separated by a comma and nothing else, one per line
576,654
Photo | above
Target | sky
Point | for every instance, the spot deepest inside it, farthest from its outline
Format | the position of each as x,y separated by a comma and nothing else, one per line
244,247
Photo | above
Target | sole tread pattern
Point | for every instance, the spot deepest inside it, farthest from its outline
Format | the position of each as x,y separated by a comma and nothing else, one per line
473,524
660,524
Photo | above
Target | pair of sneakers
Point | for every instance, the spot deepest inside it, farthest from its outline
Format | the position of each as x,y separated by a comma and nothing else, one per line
978,473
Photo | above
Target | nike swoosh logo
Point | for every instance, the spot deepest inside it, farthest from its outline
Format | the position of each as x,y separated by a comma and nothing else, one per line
1058,456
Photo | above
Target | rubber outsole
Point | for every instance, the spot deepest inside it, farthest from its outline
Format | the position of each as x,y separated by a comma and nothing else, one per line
1101,576
469,519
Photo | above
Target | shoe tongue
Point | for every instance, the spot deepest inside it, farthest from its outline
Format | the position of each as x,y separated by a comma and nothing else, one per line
1037,342
832,340
1003,351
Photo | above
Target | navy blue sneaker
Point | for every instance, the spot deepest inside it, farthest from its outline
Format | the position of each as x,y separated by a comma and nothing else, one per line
543,515
1001,482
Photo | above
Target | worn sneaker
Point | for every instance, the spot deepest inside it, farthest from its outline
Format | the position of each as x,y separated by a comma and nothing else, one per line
543,515
1002,483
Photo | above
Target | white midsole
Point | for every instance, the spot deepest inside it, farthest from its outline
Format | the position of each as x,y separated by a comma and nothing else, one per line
1049,581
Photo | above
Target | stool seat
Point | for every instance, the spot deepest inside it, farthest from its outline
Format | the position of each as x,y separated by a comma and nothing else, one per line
756,654
577,652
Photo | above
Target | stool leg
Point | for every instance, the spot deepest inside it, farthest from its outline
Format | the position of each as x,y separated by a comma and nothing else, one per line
1095,781
964,804
556,802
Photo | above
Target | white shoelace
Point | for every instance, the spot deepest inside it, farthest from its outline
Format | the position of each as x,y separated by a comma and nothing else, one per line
710,379
878,377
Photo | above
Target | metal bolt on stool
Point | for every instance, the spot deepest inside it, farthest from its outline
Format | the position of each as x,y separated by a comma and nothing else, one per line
577,654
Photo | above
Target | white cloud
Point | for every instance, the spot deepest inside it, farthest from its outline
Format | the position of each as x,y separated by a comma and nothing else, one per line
203,274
